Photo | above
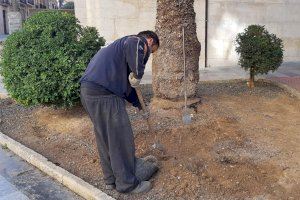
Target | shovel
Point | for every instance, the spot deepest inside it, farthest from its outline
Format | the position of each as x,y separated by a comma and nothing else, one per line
186,118
157,144
144,109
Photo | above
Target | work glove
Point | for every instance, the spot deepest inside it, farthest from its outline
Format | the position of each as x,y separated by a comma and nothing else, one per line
134,82
140,107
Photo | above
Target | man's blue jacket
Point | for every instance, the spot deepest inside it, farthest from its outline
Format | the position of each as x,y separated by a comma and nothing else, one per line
111,66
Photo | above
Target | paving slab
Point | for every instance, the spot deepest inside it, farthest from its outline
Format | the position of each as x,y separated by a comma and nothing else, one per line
14,196
20,180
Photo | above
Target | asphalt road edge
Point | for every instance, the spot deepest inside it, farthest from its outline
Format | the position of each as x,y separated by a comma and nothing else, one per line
64,177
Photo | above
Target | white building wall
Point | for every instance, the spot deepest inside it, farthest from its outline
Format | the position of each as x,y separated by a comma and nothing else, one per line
226,18
229,17
1,20
116,18
80,11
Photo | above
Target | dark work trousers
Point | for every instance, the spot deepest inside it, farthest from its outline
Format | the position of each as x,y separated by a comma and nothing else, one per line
114,137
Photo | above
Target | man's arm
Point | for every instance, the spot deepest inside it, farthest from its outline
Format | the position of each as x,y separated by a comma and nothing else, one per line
135,50
133,99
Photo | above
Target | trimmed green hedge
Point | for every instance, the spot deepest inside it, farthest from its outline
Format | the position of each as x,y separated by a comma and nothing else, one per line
42,63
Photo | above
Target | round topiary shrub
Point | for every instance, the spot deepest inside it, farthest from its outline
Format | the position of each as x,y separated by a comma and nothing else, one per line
259,50
43,62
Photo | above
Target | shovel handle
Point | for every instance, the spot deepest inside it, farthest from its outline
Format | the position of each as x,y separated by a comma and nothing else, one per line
141,99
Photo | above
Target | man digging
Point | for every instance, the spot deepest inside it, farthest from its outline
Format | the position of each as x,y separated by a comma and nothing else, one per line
105,86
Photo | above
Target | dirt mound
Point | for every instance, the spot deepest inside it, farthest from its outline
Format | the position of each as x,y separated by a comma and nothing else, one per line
242,144
201,159
65,121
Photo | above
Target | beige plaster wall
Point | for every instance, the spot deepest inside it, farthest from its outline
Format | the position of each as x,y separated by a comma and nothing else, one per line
226,18
229,17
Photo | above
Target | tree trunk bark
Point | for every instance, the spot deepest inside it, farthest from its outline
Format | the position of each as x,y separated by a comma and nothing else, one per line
167,65
251,80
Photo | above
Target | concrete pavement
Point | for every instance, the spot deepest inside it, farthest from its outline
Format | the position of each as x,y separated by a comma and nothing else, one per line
286,71
2,89
3,37
21,181
288,74
9,191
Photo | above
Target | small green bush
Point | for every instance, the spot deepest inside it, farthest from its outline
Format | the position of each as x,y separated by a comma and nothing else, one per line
259,50
43,62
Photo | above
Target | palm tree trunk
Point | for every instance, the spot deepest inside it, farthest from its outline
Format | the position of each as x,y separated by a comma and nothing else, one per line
167,65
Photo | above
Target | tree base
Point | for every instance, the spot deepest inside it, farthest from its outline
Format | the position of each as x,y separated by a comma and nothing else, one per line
165,104
164,108
250,84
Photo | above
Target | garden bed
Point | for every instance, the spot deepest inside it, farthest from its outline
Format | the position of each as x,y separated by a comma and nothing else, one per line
242,143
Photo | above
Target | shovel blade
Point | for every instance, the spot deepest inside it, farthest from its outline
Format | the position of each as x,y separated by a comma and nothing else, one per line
158,145
187,119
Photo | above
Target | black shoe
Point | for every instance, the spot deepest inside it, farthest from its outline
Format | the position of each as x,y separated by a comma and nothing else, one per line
144,186
151,159
146,167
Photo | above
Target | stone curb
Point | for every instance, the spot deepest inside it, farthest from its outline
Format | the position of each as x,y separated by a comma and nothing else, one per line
64,177
285,87
223,81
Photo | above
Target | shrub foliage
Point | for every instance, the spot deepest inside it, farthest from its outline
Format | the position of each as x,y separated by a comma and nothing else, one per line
42,63
259,50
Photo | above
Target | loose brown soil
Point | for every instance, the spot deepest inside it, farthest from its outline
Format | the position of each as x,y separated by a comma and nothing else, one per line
242,144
